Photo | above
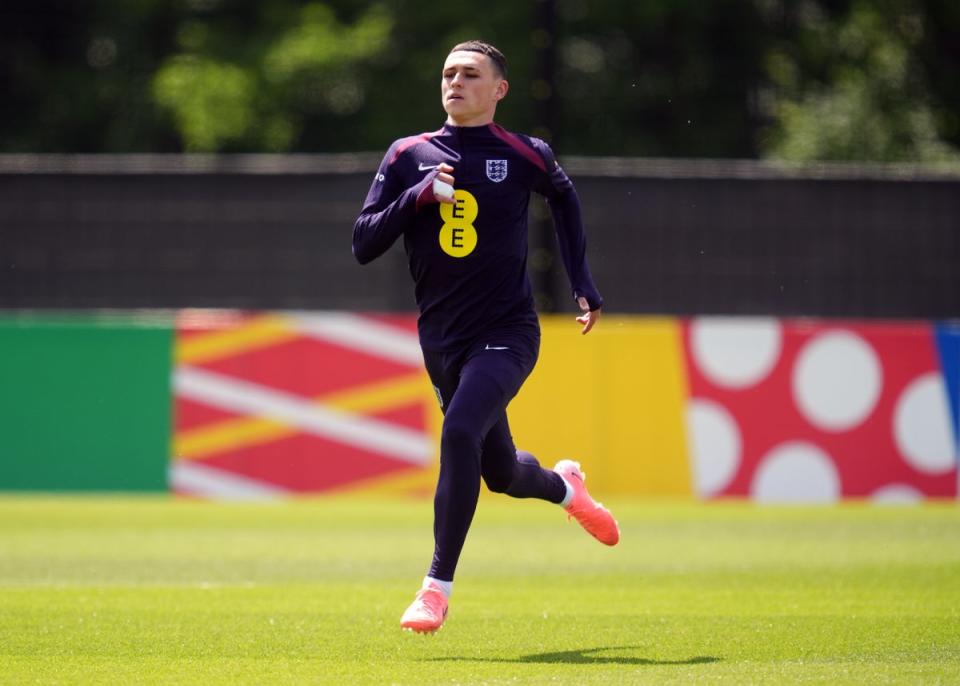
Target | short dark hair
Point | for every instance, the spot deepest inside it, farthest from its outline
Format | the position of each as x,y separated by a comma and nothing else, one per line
499,61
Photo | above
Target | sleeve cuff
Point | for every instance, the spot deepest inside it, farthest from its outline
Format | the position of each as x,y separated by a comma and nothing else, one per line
594,300
425,195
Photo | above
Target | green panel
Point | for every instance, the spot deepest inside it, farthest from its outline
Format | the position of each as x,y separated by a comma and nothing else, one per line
85,402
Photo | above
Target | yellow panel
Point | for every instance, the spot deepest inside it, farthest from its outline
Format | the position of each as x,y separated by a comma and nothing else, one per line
614,400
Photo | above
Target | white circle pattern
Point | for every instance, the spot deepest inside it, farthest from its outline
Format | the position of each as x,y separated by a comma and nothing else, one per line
837,380
715,445
921,425
796,472
896,494
735,352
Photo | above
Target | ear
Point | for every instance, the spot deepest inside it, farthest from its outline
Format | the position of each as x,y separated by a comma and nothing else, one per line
501,92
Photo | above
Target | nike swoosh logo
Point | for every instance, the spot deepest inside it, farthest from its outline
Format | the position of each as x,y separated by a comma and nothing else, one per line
427,167
496,347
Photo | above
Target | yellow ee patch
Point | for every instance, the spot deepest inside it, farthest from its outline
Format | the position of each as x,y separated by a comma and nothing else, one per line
458,236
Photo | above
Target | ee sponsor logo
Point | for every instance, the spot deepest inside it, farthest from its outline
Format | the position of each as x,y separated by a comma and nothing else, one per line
458,236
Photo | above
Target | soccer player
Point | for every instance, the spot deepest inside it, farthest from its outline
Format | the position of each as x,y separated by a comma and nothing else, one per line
458,197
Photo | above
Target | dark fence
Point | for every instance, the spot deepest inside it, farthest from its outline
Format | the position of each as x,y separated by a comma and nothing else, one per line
673,237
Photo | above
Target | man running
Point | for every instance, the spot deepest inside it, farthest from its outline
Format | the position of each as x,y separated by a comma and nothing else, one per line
459,198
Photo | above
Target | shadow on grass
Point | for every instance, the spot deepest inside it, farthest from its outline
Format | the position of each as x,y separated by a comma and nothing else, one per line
584,656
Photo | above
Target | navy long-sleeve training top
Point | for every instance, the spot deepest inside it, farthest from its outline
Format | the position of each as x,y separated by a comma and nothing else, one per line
469,259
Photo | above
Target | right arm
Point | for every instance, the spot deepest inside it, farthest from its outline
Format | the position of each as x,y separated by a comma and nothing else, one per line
390,208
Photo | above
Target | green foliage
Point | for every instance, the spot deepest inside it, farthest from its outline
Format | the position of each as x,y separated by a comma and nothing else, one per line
211,101
852,88
803,80
233,89
153,591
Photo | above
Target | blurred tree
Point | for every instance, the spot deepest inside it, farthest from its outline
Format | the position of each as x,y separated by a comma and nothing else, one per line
660,77
250,84
851,85
798,79
75,77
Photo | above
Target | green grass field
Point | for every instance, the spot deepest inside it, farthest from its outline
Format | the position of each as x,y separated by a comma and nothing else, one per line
155,590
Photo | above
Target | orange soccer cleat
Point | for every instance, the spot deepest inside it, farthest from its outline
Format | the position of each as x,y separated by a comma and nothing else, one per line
427,612
591,515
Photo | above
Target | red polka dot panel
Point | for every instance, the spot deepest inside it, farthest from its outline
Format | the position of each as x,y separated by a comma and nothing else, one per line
810,411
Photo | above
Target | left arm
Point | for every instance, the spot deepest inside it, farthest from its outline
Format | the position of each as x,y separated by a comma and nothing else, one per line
568,220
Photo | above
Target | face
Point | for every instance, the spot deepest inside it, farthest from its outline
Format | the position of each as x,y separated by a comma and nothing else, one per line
470,88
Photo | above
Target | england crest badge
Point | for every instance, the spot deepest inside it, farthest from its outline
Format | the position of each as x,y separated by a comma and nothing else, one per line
496,170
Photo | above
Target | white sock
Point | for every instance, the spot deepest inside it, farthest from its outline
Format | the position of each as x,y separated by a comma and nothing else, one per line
445,586
569,496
